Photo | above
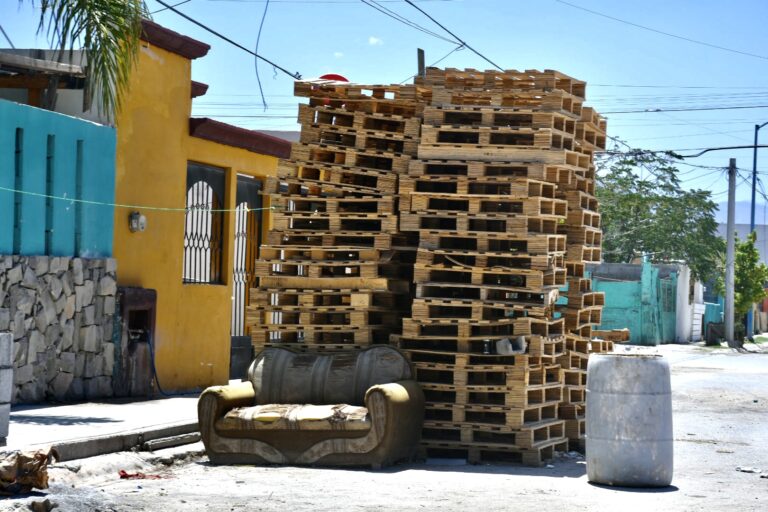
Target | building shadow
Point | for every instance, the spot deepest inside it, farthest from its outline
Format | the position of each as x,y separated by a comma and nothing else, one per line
50,419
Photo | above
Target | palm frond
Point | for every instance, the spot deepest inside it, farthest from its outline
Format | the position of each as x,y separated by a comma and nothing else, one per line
108,31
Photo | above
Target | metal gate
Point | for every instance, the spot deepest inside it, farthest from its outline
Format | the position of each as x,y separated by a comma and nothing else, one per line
248,218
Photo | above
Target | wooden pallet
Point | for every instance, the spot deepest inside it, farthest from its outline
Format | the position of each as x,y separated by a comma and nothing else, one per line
346,90
505,153
551,101
454,335
339,155
310,252
484,454
518,396
583,235
509,186
329,205
533,303
325,115
492,436
500,277
576,318
489,415
402,108
329,318
315,298
479,204
527,243
578,200
339,283
520,225
334,222
431,308
453,138
330,268
360,239
614,335
459,115
312,175
584,253
530,79
585,300
572,360
461,258
476,375
360,139
310,335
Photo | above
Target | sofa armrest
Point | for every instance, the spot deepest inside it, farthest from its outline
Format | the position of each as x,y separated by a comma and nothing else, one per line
397,413
216,401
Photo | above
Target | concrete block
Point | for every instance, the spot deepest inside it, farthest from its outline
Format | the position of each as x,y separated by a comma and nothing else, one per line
77,271
67,334
94,366
90,337
31,392
15,275
107,286
39,264
61,302
67,283
5,318
59,386
6,350
70,307
23,374
109,305
19,326
109,359
110,265
30,279
20,353
98,387
22,299
79,364
5,419
6,385
55,287
76,391
37,341
89,315
84,295
67,362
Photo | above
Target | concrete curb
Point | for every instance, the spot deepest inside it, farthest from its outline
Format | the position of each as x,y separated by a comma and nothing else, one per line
119,442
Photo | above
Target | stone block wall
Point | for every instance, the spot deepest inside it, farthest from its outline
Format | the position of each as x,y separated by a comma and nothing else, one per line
60,312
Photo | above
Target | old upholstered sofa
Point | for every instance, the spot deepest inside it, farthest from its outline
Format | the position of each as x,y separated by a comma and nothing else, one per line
336,408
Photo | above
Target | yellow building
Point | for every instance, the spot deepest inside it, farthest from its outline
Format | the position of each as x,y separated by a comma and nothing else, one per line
197,261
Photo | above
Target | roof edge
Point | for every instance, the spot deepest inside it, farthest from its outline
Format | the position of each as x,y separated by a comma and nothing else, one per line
172,41
229,135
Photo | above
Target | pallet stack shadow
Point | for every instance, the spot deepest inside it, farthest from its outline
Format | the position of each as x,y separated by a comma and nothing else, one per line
502,198
335,273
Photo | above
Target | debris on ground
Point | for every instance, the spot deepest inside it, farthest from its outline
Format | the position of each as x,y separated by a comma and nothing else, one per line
124,475
45,505
747,469
22,471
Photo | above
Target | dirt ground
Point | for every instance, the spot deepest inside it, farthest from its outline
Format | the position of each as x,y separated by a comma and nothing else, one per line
720,402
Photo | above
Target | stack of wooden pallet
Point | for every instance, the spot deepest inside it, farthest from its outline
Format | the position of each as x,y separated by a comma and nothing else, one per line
502,198
335,273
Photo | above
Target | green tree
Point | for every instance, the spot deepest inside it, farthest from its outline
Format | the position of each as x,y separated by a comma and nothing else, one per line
107,30
750,277
645,211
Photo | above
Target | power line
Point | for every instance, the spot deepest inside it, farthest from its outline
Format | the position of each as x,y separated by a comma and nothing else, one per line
174,5
256,50
651,111
395,16
296,76
703,43
464,43
130,206
438,61
6,37
647,86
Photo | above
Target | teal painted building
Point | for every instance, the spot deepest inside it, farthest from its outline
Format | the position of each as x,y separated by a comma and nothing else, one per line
57,184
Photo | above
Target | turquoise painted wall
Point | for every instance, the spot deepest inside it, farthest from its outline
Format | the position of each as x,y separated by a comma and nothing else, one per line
45,153
646,307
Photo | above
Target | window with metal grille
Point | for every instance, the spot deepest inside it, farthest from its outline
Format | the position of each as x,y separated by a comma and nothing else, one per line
203,225
248,218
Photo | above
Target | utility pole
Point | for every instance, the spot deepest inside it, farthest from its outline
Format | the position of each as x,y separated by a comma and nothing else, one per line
422,72
752,213
730,255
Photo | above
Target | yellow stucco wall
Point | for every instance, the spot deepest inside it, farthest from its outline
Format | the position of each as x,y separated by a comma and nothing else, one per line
192,331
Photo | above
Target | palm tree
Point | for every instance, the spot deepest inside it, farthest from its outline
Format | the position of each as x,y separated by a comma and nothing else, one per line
108,31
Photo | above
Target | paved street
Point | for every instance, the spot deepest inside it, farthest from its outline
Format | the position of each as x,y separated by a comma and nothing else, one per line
720,402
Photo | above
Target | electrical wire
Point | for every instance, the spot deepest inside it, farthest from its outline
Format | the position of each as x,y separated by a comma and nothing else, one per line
296,76
256,51
174,5
695,41
130,206
653,111
6,37
409,2
438,61
392,14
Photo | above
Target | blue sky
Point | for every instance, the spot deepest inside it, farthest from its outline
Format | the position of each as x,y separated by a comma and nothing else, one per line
625,67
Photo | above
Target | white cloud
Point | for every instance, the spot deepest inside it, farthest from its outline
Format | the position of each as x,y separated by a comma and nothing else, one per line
375,41
338,55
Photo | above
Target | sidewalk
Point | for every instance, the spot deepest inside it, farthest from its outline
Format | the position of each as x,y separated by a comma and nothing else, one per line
93,428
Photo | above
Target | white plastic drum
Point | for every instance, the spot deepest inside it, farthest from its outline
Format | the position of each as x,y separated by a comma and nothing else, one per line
629,420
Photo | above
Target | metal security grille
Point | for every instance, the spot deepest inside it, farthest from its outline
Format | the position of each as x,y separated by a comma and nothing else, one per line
203,225
247,241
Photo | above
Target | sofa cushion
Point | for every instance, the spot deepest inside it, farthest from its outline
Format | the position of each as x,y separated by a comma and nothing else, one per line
296,417
281,376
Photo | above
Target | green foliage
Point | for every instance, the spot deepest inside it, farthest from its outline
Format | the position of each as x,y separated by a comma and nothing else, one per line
108,31
645,211
750,276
